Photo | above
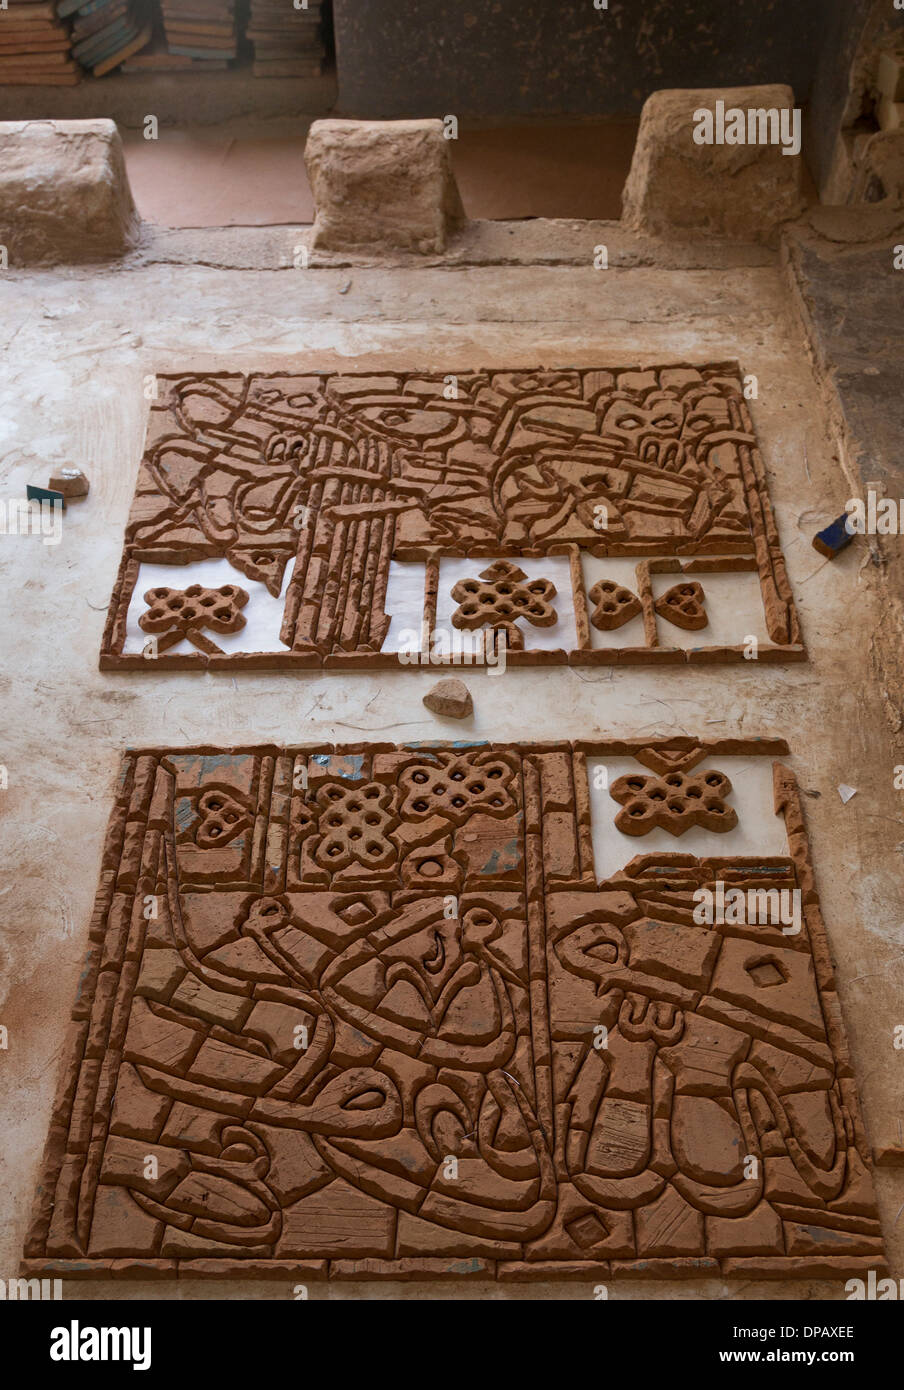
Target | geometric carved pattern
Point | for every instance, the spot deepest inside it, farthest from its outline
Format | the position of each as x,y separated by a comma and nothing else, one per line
344,474
455,785
674,802
499,596
356,822
181,613
343,1070
224,819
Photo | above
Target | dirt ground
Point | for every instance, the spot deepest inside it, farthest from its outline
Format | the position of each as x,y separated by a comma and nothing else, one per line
78,347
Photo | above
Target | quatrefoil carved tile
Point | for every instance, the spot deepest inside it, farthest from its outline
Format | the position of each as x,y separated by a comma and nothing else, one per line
355,823
674,802
499,597
175,614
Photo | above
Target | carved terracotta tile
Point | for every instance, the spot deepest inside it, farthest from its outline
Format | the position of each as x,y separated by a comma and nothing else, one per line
369,1010
320,496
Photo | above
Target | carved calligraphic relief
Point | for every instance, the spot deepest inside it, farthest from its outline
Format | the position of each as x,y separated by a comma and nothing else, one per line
457,1011
352,509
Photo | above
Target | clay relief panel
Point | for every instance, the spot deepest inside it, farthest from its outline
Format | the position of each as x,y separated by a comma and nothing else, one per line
521,1011
329,520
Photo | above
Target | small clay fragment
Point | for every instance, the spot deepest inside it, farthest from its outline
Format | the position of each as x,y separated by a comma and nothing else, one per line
683,605
886,1156
71,482
615,605
450,697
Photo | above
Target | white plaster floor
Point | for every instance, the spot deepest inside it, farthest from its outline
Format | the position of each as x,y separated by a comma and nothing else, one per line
78,348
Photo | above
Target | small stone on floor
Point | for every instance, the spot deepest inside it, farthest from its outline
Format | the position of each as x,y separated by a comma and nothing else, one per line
71,482
450,697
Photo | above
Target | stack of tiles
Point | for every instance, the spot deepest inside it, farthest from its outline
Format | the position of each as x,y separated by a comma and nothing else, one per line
34,46
287,41
106,32
202,31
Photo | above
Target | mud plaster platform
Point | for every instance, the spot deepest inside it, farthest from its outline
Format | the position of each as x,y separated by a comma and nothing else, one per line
341,1016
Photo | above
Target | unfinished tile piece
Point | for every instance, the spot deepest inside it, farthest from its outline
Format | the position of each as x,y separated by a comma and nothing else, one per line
368,1009
326,497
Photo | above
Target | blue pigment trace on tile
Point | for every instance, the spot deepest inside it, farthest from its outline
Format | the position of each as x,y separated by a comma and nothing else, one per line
338,764
442,743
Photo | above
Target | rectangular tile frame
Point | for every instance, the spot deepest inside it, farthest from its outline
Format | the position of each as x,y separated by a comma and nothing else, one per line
350,636
66,1171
